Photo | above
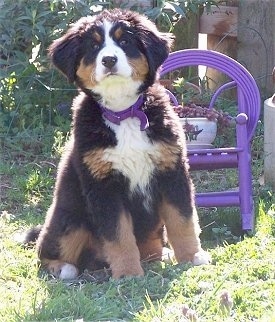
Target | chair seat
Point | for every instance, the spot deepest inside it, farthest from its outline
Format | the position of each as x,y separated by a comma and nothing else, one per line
216,158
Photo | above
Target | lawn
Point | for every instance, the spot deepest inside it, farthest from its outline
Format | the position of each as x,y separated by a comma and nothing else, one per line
239,285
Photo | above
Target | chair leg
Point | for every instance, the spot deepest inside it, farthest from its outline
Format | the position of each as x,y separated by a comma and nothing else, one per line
245,190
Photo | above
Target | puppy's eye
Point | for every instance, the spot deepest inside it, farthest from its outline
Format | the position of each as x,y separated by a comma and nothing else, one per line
123,42
95,46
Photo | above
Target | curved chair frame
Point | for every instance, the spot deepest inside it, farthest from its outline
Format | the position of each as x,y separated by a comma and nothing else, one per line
247,117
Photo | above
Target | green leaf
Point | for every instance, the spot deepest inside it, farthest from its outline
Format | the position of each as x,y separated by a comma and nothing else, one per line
175,8
21,18
43,14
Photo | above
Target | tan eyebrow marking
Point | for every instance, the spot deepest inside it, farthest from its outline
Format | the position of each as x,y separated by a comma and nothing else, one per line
97,37
118,33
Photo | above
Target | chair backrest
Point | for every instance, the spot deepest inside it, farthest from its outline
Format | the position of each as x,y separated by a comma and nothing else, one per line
247,90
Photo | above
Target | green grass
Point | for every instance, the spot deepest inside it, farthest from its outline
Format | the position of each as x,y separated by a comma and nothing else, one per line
242,268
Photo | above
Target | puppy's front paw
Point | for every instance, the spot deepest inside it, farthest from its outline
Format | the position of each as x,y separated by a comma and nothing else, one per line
127,270
201,258
168,255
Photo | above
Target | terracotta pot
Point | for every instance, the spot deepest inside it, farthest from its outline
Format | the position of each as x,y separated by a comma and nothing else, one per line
200,132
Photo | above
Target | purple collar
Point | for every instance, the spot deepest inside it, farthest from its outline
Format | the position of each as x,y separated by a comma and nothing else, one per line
132,111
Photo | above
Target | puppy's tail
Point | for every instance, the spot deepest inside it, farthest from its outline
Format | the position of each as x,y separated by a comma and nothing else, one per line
30,236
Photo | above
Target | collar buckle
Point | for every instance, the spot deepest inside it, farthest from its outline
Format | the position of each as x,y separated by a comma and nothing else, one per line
132,111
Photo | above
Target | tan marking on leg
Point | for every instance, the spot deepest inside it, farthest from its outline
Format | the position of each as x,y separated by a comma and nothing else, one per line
70,247
99,168
151,248
140,68
86,74
122,254
72,244
183,233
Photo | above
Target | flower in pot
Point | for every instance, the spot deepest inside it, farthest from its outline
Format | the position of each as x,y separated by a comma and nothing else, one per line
201,124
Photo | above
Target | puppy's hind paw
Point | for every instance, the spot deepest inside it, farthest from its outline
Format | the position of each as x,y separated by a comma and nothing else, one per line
68,271
201,258
62,270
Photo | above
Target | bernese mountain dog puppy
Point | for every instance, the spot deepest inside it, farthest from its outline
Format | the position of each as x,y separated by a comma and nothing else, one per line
124,177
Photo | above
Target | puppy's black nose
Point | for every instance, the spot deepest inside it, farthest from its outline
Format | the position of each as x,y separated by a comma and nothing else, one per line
109,61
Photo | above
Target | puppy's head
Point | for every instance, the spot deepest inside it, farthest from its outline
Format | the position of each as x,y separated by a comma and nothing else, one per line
113,47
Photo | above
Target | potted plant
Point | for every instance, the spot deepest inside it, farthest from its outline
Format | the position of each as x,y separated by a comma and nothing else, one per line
200,122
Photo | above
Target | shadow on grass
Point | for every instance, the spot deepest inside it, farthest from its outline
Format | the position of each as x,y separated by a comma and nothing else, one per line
112,300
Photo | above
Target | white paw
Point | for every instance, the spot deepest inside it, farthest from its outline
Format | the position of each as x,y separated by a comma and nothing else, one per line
168,255
68,271
201,258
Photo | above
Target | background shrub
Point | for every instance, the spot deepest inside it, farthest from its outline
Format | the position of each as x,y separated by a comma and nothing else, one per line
32,94
29,98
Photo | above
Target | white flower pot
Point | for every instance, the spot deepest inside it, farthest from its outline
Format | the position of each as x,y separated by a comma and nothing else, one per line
201,134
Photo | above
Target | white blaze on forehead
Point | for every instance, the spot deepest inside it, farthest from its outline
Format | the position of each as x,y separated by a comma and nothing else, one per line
107,32
116,87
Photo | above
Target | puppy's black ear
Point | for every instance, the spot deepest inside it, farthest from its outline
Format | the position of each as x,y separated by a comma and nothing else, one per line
64,53
156,46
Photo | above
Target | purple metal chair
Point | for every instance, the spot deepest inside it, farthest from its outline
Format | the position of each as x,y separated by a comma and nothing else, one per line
247,116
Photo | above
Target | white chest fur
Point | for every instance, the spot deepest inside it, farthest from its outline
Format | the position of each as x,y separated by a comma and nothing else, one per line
133,153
